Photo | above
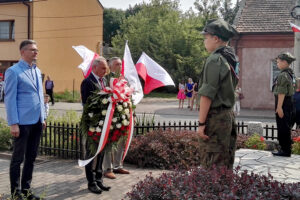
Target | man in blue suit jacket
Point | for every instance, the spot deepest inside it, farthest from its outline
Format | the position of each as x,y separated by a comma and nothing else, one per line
24,103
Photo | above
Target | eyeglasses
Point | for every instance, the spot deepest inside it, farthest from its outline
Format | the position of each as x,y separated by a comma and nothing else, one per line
34,50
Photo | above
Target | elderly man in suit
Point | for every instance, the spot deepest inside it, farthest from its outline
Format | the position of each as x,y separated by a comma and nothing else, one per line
24,103
95,82
113,158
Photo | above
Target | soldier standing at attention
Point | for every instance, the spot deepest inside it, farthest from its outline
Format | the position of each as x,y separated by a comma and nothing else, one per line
217,128
284,89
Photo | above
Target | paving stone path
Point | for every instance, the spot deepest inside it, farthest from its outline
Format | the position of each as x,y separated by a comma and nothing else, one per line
283,169
64,179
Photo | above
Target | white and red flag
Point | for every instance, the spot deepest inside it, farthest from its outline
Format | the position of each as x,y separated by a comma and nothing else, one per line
153,74
88,57
130,73
295,27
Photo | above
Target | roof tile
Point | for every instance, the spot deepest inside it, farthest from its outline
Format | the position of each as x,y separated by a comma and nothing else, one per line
265,16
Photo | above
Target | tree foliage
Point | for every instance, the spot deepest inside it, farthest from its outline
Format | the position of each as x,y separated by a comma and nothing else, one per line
228,12
135,9
167,36
209,9
112,19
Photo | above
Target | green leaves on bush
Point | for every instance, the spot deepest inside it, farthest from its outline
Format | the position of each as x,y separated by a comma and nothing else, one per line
256,142
5,136
296,141
144,119
296,145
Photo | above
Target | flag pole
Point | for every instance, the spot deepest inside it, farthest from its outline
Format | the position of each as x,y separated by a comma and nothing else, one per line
297,45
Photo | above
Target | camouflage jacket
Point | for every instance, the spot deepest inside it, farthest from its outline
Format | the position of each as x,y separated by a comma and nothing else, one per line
285,83
217,82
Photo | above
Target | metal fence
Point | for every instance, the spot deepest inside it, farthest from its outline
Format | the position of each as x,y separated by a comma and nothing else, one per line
64,140
61,140
270,132
144,128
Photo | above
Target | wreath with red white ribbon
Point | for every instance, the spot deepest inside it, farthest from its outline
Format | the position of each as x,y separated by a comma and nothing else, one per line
108,117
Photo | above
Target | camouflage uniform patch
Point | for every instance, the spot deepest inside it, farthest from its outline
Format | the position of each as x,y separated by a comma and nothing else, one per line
219,150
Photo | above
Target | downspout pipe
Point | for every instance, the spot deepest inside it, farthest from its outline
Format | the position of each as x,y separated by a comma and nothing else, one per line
236,43
28,18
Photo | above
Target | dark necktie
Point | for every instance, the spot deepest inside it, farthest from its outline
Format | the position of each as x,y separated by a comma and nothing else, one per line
101,83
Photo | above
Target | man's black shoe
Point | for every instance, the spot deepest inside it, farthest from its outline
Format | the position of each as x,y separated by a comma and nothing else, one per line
102,187
28,194
94,189
17,196
281,153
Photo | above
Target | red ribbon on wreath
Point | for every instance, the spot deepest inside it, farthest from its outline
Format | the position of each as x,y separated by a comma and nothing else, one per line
120,93
119,89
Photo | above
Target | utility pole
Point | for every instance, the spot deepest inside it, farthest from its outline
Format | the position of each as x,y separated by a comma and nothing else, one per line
296,15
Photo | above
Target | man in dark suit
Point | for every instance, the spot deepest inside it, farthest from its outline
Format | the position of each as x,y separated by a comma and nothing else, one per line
95,82
24,103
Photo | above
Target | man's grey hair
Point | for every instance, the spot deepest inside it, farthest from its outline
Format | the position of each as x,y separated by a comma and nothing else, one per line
25,43
98,60
111,60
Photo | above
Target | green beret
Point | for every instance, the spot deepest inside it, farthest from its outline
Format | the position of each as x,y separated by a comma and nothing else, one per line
286,56
220,28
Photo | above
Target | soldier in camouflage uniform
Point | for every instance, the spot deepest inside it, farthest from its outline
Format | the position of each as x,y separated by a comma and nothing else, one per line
217,128
284,89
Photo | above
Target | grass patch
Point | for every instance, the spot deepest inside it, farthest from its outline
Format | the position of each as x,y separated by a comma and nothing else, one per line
67,96
161,95
69,117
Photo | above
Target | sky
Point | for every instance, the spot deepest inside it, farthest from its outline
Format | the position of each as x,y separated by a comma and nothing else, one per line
124,4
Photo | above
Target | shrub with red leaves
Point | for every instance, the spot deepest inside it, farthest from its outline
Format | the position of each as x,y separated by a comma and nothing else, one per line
165,150
295,133
168,149
241,141
215,184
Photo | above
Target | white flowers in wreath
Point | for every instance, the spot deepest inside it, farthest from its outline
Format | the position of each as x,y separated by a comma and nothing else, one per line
120,108
103,112
104,101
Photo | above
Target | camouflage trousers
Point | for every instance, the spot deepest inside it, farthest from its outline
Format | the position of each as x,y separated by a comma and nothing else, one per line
219,149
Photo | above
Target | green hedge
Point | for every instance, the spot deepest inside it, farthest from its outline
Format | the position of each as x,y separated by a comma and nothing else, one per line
5,136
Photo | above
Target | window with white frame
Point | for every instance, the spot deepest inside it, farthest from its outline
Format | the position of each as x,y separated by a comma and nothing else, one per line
7,30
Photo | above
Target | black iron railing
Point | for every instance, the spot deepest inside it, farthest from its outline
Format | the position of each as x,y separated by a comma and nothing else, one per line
144,128
270,132
65,140
61,140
